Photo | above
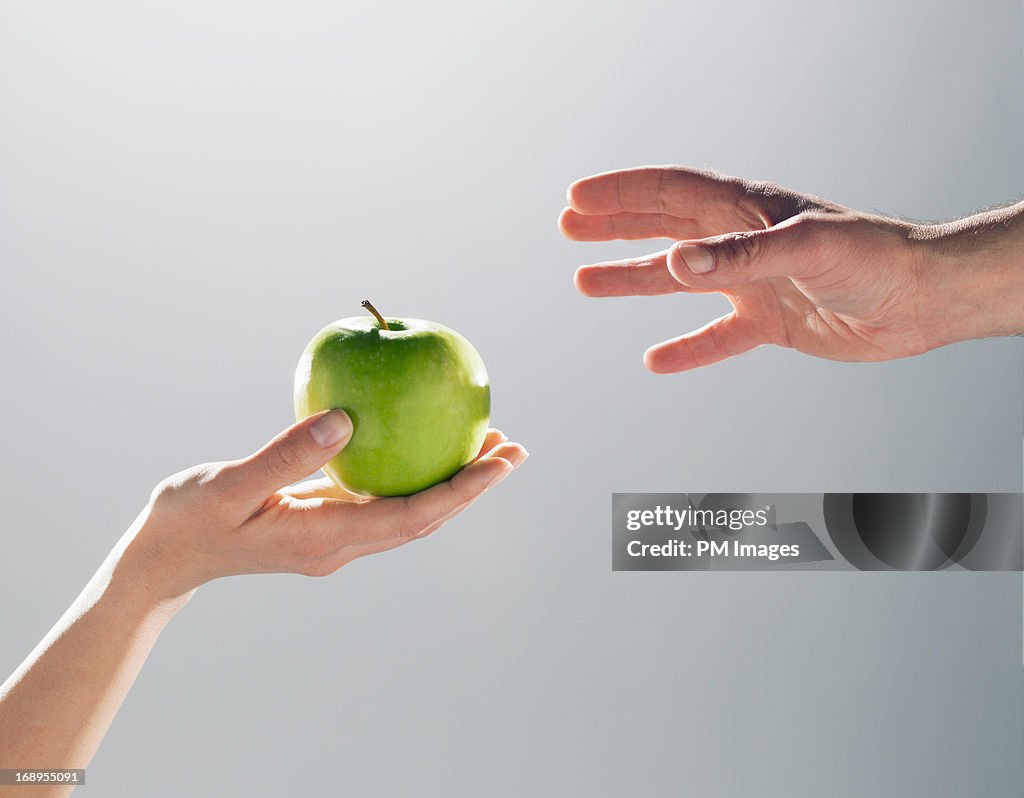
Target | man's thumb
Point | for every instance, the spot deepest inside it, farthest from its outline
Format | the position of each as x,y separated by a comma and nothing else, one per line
733,259
293,455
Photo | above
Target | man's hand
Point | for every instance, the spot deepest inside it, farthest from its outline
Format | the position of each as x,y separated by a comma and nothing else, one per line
799,271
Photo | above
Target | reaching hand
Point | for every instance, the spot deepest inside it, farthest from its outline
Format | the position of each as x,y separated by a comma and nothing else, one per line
799,271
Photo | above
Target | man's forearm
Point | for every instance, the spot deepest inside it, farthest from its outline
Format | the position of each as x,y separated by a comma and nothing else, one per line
974,267
56,707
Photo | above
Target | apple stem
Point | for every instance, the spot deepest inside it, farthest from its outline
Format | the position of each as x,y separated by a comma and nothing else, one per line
366,304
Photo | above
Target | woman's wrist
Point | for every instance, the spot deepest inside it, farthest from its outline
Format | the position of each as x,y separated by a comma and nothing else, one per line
972,276
140,579
139,595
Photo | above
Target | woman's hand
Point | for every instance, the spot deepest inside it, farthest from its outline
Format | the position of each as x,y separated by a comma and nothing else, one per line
246,516
799,271
212,520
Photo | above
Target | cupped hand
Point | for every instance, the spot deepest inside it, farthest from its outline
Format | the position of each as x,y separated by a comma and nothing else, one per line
247,516
799,271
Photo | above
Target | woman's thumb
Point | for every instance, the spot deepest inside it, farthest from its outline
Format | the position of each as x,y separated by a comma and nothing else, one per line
293,455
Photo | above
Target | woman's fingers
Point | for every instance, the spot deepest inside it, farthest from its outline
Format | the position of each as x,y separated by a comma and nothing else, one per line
493,438
513,453
323,488
723,338
326,488
627,226
407,517
334,525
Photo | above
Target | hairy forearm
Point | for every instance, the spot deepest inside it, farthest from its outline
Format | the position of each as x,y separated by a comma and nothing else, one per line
973,271
56,707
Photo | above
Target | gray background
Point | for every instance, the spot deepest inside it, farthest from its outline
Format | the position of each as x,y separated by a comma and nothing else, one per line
190,190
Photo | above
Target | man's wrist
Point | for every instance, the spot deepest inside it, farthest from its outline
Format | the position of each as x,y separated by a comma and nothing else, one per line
973,276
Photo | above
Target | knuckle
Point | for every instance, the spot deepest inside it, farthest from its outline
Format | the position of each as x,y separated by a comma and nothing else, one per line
410,528
411,520
213,480
203,486
813,226
762,203
281,461
214,487
838,233
750,201
810,221
181,486
740,248
708,193
806,219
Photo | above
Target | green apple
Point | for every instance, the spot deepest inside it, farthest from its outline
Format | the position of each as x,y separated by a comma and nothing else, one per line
417,393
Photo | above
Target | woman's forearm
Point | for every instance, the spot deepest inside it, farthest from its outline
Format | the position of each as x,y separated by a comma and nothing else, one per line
209,521
56,707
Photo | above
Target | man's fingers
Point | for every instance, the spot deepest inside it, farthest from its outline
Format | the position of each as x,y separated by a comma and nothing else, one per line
634,277
295,453
717,201
627,226
795,248
723,338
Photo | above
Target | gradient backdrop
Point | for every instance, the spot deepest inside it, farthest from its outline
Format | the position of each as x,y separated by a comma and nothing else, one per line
189,191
